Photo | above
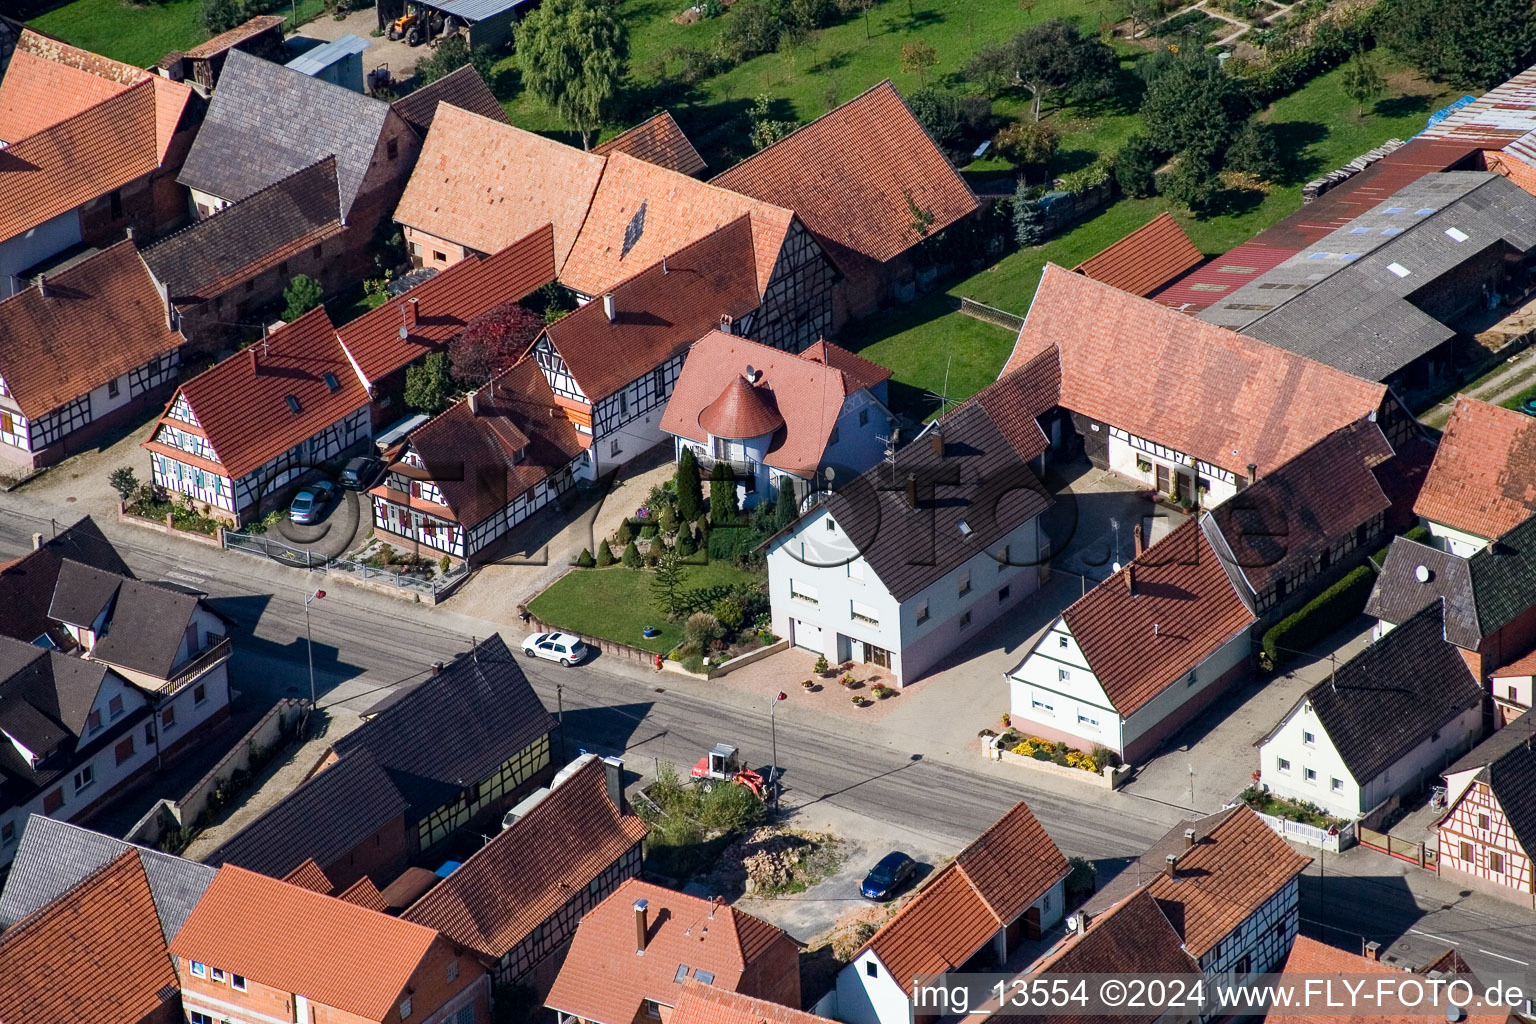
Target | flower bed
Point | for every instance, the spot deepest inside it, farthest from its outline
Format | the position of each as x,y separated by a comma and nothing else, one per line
1060,753
1264,801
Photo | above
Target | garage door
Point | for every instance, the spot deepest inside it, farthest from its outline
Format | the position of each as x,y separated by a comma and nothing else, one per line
807,635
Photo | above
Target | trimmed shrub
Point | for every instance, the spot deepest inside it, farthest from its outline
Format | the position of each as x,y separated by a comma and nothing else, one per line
585,559
690,491
732,543
649,529
1326,612
631,556
625,534
686,545
730,613
702,629
604,554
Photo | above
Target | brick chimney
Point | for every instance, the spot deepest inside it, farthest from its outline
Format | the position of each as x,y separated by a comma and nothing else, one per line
254,368
1189,838
411,309
472,402
1373,951
1171,865
1253,472
37,541
615,774
1141,540
640,926
912,490
1130,579
936,438
437,667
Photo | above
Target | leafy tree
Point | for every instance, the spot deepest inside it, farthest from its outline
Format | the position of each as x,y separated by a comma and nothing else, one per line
301,295
428,384
1027,143
1191,104
1142,13
604,554
1254,151
1028,221
992,68
572,54
1053,56
221,15
449,55
950,119
690,492
784,510
1472,43
1136,166
919,57
493,341
730,613
1193,181
722,494
631,556
766,130
123,482
1363,81
667,581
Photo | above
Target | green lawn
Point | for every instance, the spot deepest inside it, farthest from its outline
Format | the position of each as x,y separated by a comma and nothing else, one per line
616,603
138,34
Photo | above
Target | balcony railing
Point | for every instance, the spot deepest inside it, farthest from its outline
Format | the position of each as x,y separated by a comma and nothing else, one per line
197,666
746,471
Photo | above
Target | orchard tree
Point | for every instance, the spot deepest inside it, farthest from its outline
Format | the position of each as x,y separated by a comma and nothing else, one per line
1363,81
1191,104
1053,56
493,341
919,57
1474,44
573,55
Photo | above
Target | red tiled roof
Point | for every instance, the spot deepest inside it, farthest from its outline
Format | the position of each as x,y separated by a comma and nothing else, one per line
446,302
742,410
241,405
659,312
1226,877
854,174
1519,667
659,141
364,893
1139,640
1016,399
1310,958
94,954
1222,276
516,412
1211,393
295,940
51,349
605,982
517,182
309,876
226,41
706,1004
36,94
1146,259
642,213
1483,479
799,394
79,159
523,876
990,883
858,372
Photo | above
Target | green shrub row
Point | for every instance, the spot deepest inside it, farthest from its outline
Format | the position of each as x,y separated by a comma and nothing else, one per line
1326,612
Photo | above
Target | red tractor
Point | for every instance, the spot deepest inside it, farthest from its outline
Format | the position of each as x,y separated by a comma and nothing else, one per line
723,764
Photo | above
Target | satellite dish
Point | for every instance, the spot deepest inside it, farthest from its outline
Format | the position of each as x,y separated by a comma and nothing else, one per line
751,374
1114,566
405,332
1422,574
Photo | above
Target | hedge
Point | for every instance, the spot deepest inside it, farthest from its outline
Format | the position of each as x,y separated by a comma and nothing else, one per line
1326,612
1339,42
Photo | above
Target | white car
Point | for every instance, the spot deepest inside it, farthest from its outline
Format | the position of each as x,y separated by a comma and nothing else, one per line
568,650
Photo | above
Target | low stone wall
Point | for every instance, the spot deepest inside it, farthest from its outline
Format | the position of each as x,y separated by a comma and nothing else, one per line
168,527
1108,778
743,660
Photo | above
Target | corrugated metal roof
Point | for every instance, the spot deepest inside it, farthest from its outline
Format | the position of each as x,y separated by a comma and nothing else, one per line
1221,276
323,56
1496,118
476,10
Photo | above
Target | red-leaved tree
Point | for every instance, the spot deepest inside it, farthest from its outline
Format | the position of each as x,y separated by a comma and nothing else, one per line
492,341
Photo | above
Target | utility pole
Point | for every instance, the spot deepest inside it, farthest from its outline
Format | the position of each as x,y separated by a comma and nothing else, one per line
309,644
773,728
560,717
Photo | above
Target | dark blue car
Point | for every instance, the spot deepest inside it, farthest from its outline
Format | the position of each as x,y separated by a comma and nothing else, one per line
886,878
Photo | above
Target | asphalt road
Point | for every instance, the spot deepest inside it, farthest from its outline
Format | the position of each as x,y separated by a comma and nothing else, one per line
366,645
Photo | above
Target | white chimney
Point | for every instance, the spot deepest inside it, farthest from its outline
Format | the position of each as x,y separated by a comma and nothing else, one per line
608,307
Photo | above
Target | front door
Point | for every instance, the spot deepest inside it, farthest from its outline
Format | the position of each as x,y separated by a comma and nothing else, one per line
877,656
1162,478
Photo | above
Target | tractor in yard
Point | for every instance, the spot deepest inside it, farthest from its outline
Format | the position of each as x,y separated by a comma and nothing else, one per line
722,764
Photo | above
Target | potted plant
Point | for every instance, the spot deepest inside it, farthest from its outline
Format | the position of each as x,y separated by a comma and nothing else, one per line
809,686
821,667
847,680
859,701
882,691
1007,720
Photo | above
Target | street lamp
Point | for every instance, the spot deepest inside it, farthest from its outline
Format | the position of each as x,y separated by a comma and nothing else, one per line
773,728
310,644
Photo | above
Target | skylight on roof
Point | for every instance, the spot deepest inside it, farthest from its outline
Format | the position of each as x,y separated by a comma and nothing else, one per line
1319,255
1398,269
1391,231
1397,209
331,383
1350,256
293,403
1424,211
706,977
682,972
1359,231
965,528
1456,234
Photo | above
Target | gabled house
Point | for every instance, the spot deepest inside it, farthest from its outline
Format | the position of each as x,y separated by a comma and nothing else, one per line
92,148
1489,597
793,415
1487,837
261,36
1245,408
117,971
27,583
1312,961
54,857
1139,655
1299,528
390,792
234,436
463,89
1146,260
613,364
1227,883
1482,483
706,1004
901,565
466,477
60,387
517,900
607,980
1512,686
255,949
1005,888
659,141
869,183
1383,722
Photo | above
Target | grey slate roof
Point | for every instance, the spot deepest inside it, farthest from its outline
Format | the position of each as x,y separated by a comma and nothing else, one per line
45,698
1393,695
973,487
201,261
463,88
1360,319
482,700
54,856
1504,577
146,622
1398,594
1517,733
27,584
1508,763
324,819
266,121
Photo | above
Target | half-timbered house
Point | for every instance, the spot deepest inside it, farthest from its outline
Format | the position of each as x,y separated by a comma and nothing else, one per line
1487,838
235,435
60,386
1482,482
613,364
463,479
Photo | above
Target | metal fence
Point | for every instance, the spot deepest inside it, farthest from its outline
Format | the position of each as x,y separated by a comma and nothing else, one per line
991,314
396,577
264,546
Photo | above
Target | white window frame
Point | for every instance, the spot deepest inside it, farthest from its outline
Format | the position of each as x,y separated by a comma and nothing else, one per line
199,969
1283,765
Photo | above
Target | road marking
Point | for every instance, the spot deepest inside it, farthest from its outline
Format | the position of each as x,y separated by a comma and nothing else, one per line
185,576
1501,956
1432,935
